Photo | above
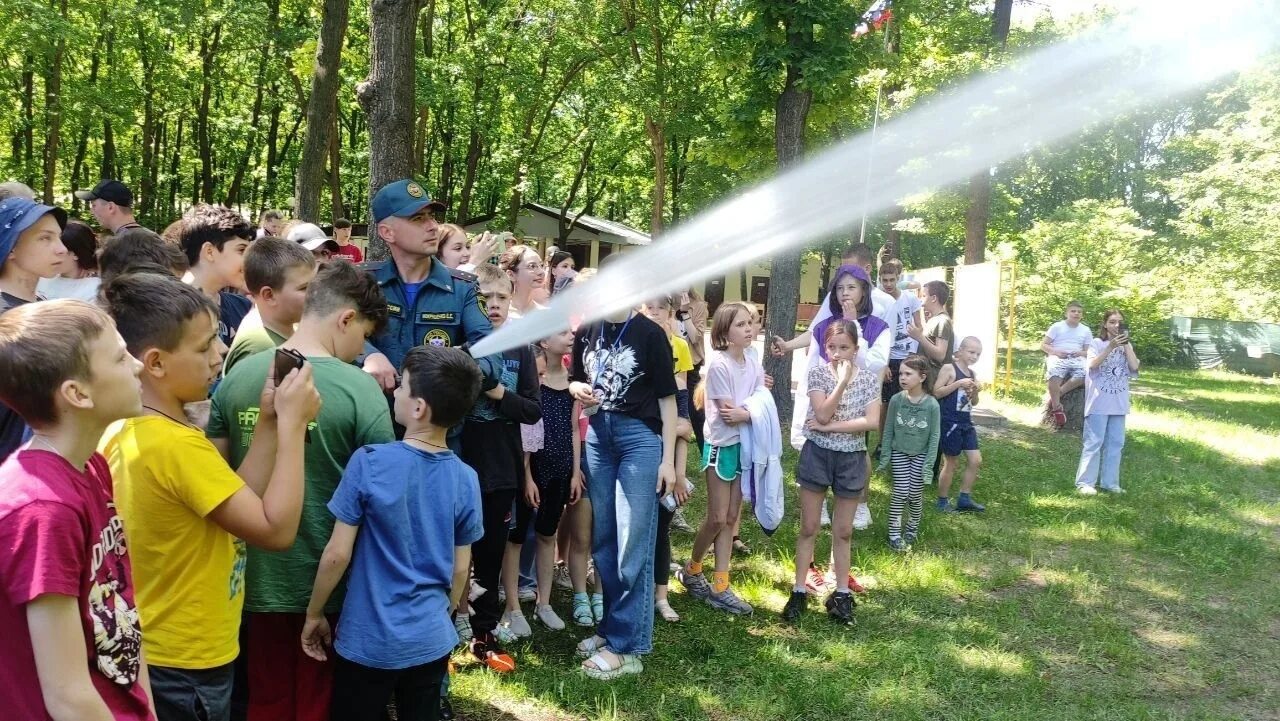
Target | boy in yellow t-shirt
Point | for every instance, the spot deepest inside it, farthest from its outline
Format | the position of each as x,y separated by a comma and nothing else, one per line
183,507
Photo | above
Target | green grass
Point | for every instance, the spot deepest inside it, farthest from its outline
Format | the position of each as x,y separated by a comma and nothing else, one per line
1161,604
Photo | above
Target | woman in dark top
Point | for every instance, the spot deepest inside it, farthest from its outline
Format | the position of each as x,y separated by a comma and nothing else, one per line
623,373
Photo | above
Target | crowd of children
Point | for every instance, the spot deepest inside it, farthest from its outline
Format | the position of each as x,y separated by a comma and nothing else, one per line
279,490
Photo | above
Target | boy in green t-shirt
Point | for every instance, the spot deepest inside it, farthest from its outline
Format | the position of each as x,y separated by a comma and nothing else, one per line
344,305
277,273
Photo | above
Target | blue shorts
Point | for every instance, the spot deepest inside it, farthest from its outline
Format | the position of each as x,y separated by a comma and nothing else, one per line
958,437
725,459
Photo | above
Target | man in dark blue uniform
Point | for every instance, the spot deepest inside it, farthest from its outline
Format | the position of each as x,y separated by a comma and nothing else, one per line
426,302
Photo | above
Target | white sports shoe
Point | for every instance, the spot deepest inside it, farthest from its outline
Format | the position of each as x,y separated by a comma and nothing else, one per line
862,517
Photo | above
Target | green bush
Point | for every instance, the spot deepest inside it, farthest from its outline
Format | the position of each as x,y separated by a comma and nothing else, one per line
1094,252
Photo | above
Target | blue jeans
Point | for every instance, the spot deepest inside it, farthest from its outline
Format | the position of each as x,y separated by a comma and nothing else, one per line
623,455
1103,441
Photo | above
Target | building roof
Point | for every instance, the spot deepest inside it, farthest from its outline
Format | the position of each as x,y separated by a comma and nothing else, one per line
540,221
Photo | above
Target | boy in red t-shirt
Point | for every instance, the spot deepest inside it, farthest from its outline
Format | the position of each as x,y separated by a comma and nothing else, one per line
67,614
342,235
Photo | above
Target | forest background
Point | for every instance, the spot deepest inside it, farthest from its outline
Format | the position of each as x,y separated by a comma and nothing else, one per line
645,112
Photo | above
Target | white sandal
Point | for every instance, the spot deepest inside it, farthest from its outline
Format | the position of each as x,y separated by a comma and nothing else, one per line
605,670
664,609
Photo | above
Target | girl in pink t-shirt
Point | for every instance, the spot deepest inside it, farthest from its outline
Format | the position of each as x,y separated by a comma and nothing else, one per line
731,376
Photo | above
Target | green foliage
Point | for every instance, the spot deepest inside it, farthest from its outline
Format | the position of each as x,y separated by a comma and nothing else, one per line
1095,253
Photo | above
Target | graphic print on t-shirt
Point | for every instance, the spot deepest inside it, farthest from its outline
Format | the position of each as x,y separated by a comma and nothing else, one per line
1113,375
117,633
614,370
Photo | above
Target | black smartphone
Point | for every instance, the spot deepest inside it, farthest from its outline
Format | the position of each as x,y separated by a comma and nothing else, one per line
286,360
1124,331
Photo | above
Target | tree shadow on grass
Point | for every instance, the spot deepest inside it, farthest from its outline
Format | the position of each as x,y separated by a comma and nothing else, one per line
1149,605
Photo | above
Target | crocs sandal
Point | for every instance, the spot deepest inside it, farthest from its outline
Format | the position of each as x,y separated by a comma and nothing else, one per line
605,670
582,610
597,606
589,646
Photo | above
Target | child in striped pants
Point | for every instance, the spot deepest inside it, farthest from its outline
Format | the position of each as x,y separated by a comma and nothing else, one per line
910,444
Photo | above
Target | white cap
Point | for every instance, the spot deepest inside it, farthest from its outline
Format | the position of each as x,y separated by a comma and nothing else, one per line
310,236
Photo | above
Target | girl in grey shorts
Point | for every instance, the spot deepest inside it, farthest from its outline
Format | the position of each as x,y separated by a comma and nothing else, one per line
844,403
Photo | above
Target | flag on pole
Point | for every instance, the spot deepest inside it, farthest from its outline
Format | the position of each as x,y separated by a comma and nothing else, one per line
874,18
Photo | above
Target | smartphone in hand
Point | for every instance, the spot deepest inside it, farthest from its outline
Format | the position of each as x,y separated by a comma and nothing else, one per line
287,360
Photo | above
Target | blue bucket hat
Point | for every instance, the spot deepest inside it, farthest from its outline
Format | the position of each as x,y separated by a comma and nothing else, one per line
402,199
18,214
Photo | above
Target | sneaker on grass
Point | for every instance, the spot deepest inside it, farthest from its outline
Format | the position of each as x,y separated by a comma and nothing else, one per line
487,650
728,601
815,581
1086,490
462,624
795,606
679,523
862,517
695,583
517,624
840,607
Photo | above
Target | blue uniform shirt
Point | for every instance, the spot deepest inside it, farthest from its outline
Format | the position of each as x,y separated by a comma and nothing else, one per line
445,312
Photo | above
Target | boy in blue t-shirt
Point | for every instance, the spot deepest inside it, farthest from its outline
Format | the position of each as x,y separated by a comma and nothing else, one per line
416,508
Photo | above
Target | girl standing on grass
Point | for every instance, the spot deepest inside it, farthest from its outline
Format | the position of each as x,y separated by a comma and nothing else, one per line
553,481
1109,365
909,442
659,311
733,375
844,403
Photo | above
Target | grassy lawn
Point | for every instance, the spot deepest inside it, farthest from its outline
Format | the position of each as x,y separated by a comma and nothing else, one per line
1161,604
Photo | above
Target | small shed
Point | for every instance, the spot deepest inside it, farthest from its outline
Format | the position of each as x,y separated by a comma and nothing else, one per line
590,240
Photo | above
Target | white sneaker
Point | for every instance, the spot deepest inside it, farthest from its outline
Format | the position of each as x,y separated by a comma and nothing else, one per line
1086,490
862,517
563,580
527,594
826,517
548,617
516,623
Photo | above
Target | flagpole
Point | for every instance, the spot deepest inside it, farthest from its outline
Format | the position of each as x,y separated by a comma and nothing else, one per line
871,153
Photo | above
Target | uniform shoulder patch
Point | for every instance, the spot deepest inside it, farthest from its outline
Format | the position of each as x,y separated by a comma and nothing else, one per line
462,275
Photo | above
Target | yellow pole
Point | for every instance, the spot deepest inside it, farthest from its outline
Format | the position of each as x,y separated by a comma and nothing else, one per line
1013,306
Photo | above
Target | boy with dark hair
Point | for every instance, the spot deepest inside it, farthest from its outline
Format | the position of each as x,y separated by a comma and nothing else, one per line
342,236
395,635
188,513
215,240
277,273
491,444
130,249
67,613
343,306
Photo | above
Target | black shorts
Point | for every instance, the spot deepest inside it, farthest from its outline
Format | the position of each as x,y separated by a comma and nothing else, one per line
891,386
844,472
546,519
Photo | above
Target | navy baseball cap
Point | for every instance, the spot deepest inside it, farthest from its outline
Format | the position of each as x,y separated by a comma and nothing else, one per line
18,214
110,190
402,199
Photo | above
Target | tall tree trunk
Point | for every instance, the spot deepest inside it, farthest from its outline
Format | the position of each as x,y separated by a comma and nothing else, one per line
474,146
273,151
978,214
108,149
28,119
208,56
791,116
147,185
336,208
657,133
893,236
234,192
175,165
321,110
53,109
387,97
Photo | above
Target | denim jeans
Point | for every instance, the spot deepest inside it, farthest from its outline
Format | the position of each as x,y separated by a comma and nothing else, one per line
1103,441
623,455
